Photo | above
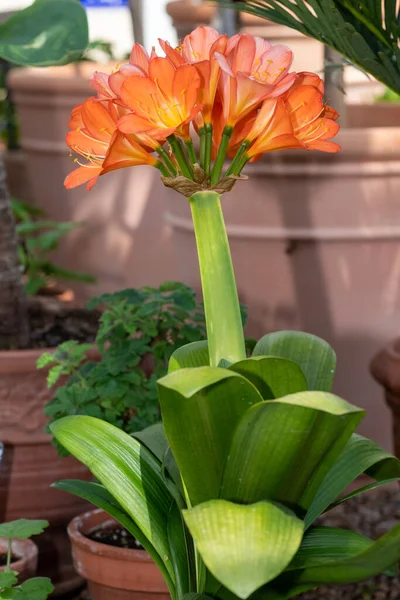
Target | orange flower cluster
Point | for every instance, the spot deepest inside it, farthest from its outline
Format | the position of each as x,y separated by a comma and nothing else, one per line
237,93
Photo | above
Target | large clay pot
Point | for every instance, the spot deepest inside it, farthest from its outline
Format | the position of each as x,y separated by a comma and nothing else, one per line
26,554
113,573
121,214
315,245
385,368
31,464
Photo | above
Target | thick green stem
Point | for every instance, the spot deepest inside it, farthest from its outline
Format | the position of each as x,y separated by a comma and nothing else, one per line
180,156
163,169
221,302
219,161
207,159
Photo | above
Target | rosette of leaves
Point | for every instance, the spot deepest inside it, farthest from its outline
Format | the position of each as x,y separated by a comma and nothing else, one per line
37,588
225,493
139,330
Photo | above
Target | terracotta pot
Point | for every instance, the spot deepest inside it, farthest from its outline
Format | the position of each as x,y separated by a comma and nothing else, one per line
113,573
121,213
26,553
315,245
16,165
385,368
31,464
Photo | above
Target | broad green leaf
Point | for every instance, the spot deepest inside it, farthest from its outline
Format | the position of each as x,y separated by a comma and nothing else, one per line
273,377
358,456
314,356
22,528
201,409
189,356
323,545
362,490
38,588
100,497
154,439
127,468
194,596
378,557
181,552
8,579
283,449
50,32
244,547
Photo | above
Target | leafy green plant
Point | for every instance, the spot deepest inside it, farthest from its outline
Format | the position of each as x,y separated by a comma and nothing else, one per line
388,96
38,588
37,238
138,332
225,493
365,32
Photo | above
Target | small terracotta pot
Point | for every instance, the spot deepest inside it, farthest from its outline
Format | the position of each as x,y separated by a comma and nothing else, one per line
26,553
31,464
113,573
385,368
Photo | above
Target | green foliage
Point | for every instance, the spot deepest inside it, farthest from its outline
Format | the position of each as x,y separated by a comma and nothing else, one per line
22,529
365,32
36,240
139,330
388,96
38,588
256,473
50,32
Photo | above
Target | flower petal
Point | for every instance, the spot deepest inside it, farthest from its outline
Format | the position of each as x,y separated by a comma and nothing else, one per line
88,174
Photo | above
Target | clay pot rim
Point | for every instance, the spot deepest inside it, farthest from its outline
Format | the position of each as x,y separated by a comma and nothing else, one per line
24,550
79,538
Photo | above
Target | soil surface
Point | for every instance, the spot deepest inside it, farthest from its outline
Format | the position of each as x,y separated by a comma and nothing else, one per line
115,536
53,322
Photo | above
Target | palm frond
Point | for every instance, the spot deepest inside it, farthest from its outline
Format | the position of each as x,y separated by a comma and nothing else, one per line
366,32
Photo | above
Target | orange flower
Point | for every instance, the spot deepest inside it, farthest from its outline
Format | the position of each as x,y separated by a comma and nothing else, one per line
162,102
199,48
253,70
272,129
314,123
94,136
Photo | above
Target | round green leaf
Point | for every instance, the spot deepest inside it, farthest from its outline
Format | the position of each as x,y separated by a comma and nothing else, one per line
244,547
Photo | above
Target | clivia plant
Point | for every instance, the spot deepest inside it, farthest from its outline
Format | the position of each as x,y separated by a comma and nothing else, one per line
225,492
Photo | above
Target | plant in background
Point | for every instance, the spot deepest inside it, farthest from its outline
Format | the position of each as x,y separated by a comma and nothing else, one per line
224,493
139,330
388,96
49,32
37,588
365,32
37,238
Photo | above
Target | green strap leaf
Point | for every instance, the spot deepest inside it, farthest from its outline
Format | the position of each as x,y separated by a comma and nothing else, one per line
244,547
362,490
267,455
358,456
154,439
273,377
322,545
191,355
50,32
378,557
314,356
127,468
182,552
201,409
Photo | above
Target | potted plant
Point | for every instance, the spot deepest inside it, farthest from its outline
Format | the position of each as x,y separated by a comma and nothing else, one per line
19,557
312,224
30,463
138,332
224,493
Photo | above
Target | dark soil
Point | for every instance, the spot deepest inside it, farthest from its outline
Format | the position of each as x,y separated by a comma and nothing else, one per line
3,559
117,536
53,322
